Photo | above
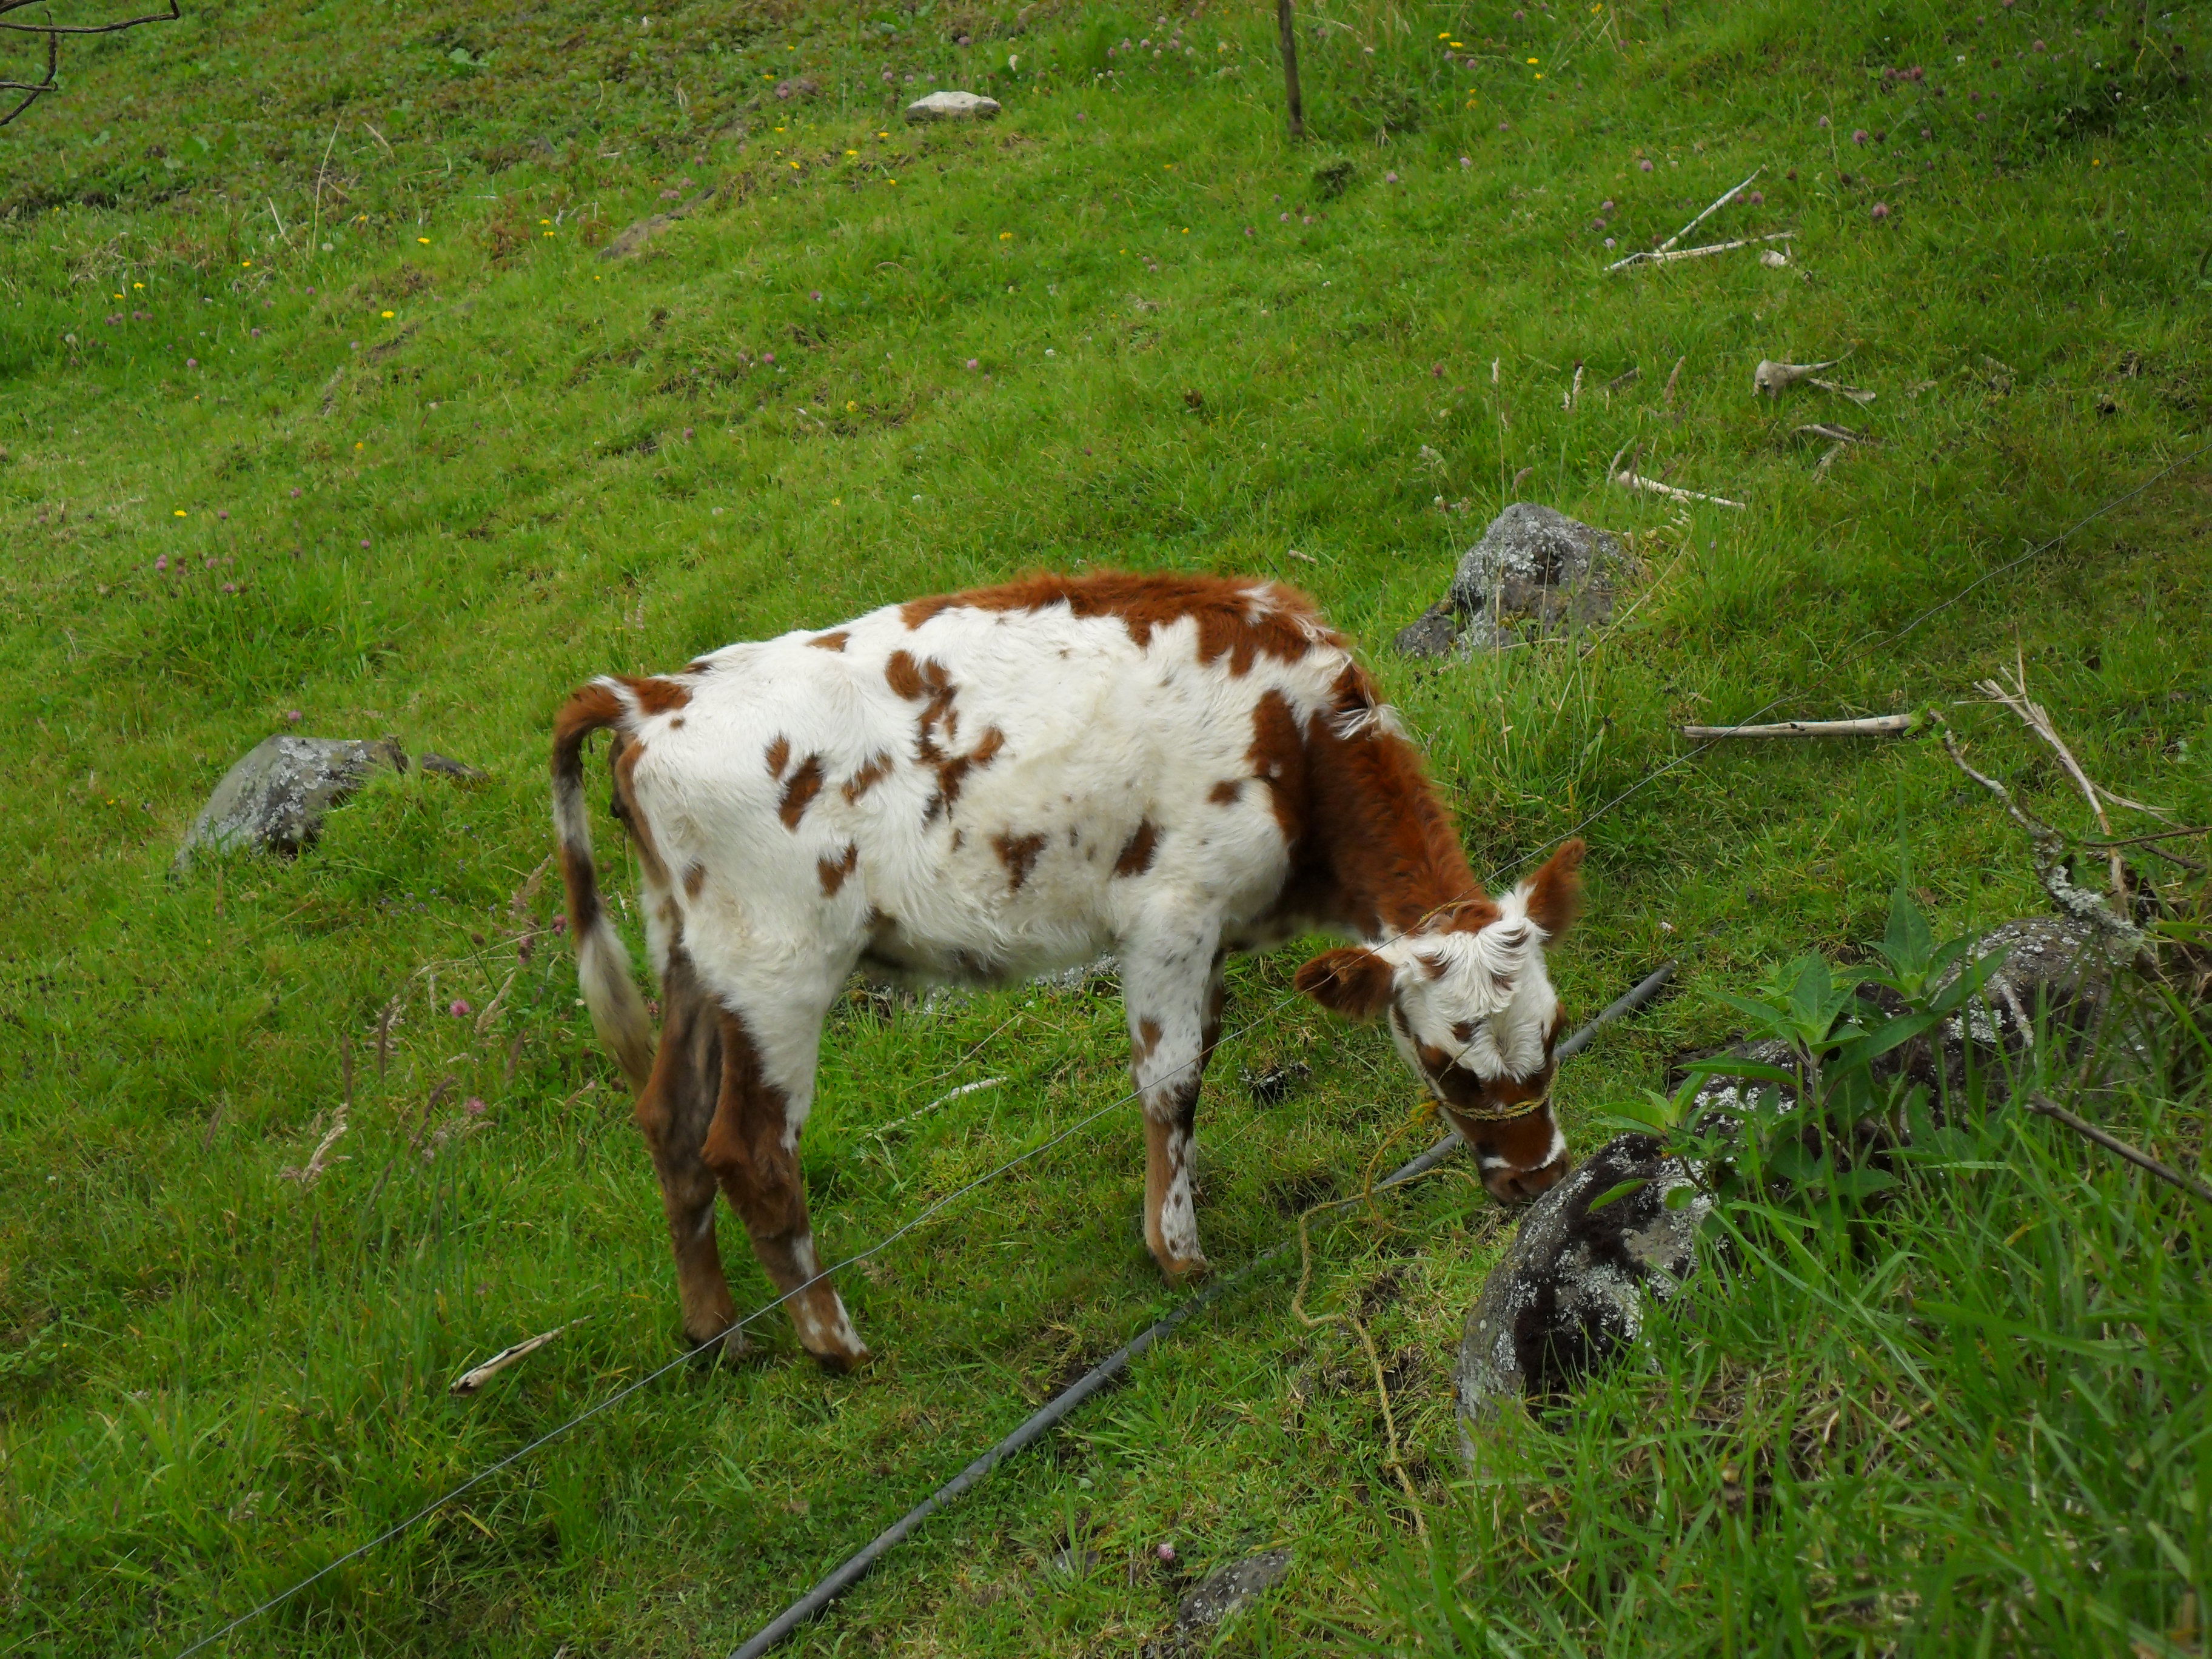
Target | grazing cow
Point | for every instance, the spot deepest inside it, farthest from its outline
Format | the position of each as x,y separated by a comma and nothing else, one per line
986,785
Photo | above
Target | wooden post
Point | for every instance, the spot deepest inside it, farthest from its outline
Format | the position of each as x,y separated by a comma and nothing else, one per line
1286,29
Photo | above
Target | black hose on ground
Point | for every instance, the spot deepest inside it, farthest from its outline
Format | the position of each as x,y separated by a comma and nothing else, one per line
849,1572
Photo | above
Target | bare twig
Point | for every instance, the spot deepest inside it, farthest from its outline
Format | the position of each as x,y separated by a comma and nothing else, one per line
1628,480
34,90
1709,212
1774,379
2051,846
1872,727
2113,1143
469,1381
1858,395
1658,256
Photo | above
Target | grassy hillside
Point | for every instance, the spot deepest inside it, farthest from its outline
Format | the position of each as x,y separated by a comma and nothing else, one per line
320,409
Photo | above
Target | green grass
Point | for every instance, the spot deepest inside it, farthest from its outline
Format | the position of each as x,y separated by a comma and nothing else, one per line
542,465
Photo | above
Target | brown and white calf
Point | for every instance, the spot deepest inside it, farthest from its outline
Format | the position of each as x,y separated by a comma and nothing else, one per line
990,785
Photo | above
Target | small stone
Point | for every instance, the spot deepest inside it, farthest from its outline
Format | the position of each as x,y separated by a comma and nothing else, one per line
1533,564
274,799
949,106
1433,634
444,766
1225,1591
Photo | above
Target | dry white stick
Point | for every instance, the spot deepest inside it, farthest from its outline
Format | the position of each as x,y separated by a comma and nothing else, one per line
2051,846
469,1381
1664,257
2037,721
313,1170
1493,370
1628,480
1856,394
942,1100
1709,212
1836,434
1774,379
1874,725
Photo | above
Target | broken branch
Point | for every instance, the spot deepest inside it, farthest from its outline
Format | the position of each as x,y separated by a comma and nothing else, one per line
469,1381
1661,256
1872,726
2075,902
1628,480
2113,1143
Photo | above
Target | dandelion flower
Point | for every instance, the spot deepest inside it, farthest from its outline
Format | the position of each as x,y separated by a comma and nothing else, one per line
425,241
180,512
384,313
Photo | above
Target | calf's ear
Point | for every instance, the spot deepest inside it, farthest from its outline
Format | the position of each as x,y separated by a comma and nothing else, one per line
1555,892
1351,982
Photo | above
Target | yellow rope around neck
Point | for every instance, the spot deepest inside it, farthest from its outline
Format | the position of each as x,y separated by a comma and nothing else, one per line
1395,1462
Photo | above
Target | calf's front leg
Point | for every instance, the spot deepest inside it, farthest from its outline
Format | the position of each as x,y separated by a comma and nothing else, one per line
1173,997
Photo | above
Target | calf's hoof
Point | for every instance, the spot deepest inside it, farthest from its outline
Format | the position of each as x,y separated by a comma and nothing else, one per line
715,1348
1182,1271
842,1362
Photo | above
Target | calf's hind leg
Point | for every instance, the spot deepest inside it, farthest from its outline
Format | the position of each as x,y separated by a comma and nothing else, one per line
753,1148
674,1109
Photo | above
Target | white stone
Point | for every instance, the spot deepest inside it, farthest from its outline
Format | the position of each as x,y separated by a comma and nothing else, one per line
951,106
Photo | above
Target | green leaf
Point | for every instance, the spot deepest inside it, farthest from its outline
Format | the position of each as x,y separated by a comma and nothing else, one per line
1907,942
1681,1198
1619,1189
1793,1164
1862,1050
1862,1182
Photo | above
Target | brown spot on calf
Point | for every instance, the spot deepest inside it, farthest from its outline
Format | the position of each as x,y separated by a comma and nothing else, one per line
872,772
1236,617
799,791
1137,853
833,872
1019,854
779,756
656,696
832,641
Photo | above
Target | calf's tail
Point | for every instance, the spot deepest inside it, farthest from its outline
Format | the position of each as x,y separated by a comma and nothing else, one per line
602,965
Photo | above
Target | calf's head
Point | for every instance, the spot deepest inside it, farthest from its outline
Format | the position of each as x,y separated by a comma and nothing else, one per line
1473,1012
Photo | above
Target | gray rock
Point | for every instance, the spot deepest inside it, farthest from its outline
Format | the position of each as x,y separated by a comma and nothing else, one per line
1569,1293
1229,1589
274,799
951,106
446,766
2054,968
1434,633
1536,569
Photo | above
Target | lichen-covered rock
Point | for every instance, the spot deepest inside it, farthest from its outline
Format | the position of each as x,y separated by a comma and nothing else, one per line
951,106
1434,633
2055,969
1569,1293
1536,569
1222,1594
274,799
